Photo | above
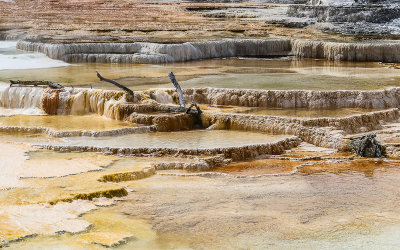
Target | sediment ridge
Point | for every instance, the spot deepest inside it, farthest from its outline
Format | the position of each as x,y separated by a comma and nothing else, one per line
377,51
324,131
140,52
153,53
385,98
200,164
234,153
59,134
114,104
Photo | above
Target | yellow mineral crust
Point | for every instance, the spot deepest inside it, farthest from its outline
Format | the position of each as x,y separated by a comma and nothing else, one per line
28,220
57,176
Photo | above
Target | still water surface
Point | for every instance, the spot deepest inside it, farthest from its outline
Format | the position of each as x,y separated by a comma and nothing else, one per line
281,73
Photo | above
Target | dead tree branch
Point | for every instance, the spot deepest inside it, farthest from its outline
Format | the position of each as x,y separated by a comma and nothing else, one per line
178,88
127,90
180,93
36,83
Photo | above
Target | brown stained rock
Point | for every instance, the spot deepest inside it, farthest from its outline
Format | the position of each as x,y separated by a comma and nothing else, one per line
128,176
367,167
49,101
174,122
259,167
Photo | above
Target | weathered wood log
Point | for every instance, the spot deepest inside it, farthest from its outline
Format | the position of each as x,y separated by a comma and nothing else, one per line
127,90
178,88
367,146
36,83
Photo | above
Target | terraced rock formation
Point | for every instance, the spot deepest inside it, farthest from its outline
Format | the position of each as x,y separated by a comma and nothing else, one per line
156,53
162,117
183,189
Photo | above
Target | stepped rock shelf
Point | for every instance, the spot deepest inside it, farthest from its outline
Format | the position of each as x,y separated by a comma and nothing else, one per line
111,140
146,111
152,53
292,95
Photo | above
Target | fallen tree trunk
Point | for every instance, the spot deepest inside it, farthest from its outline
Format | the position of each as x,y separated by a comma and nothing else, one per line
127,90
36,83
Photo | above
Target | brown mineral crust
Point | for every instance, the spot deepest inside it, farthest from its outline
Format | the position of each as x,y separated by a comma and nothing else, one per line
135,20
259,167
204,163
367,167
49,101
128,176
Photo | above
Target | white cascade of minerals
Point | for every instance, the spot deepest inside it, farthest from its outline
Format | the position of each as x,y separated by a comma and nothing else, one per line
16,100
11,58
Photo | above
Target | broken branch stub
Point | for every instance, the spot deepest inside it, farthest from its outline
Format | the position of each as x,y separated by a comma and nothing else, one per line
36,83
127,90
178,89
197,108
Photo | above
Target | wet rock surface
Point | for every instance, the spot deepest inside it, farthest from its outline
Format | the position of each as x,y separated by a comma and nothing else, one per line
167,190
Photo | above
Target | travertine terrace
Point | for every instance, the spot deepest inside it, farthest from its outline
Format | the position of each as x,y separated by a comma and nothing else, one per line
88,166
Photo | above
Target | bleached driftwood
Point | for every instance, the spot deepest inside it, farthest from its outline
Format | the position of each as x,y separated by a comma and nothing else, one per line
181,99
37,83
178,88
127,90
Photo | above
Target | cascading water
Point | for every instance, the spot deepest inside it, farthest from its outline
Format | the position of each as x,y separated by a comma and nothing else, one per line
18,100
38,100
162,96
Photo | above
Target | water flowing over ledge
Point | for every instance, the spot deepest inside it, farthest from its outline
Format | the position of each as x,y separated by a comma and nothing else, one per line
114,104
141,52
